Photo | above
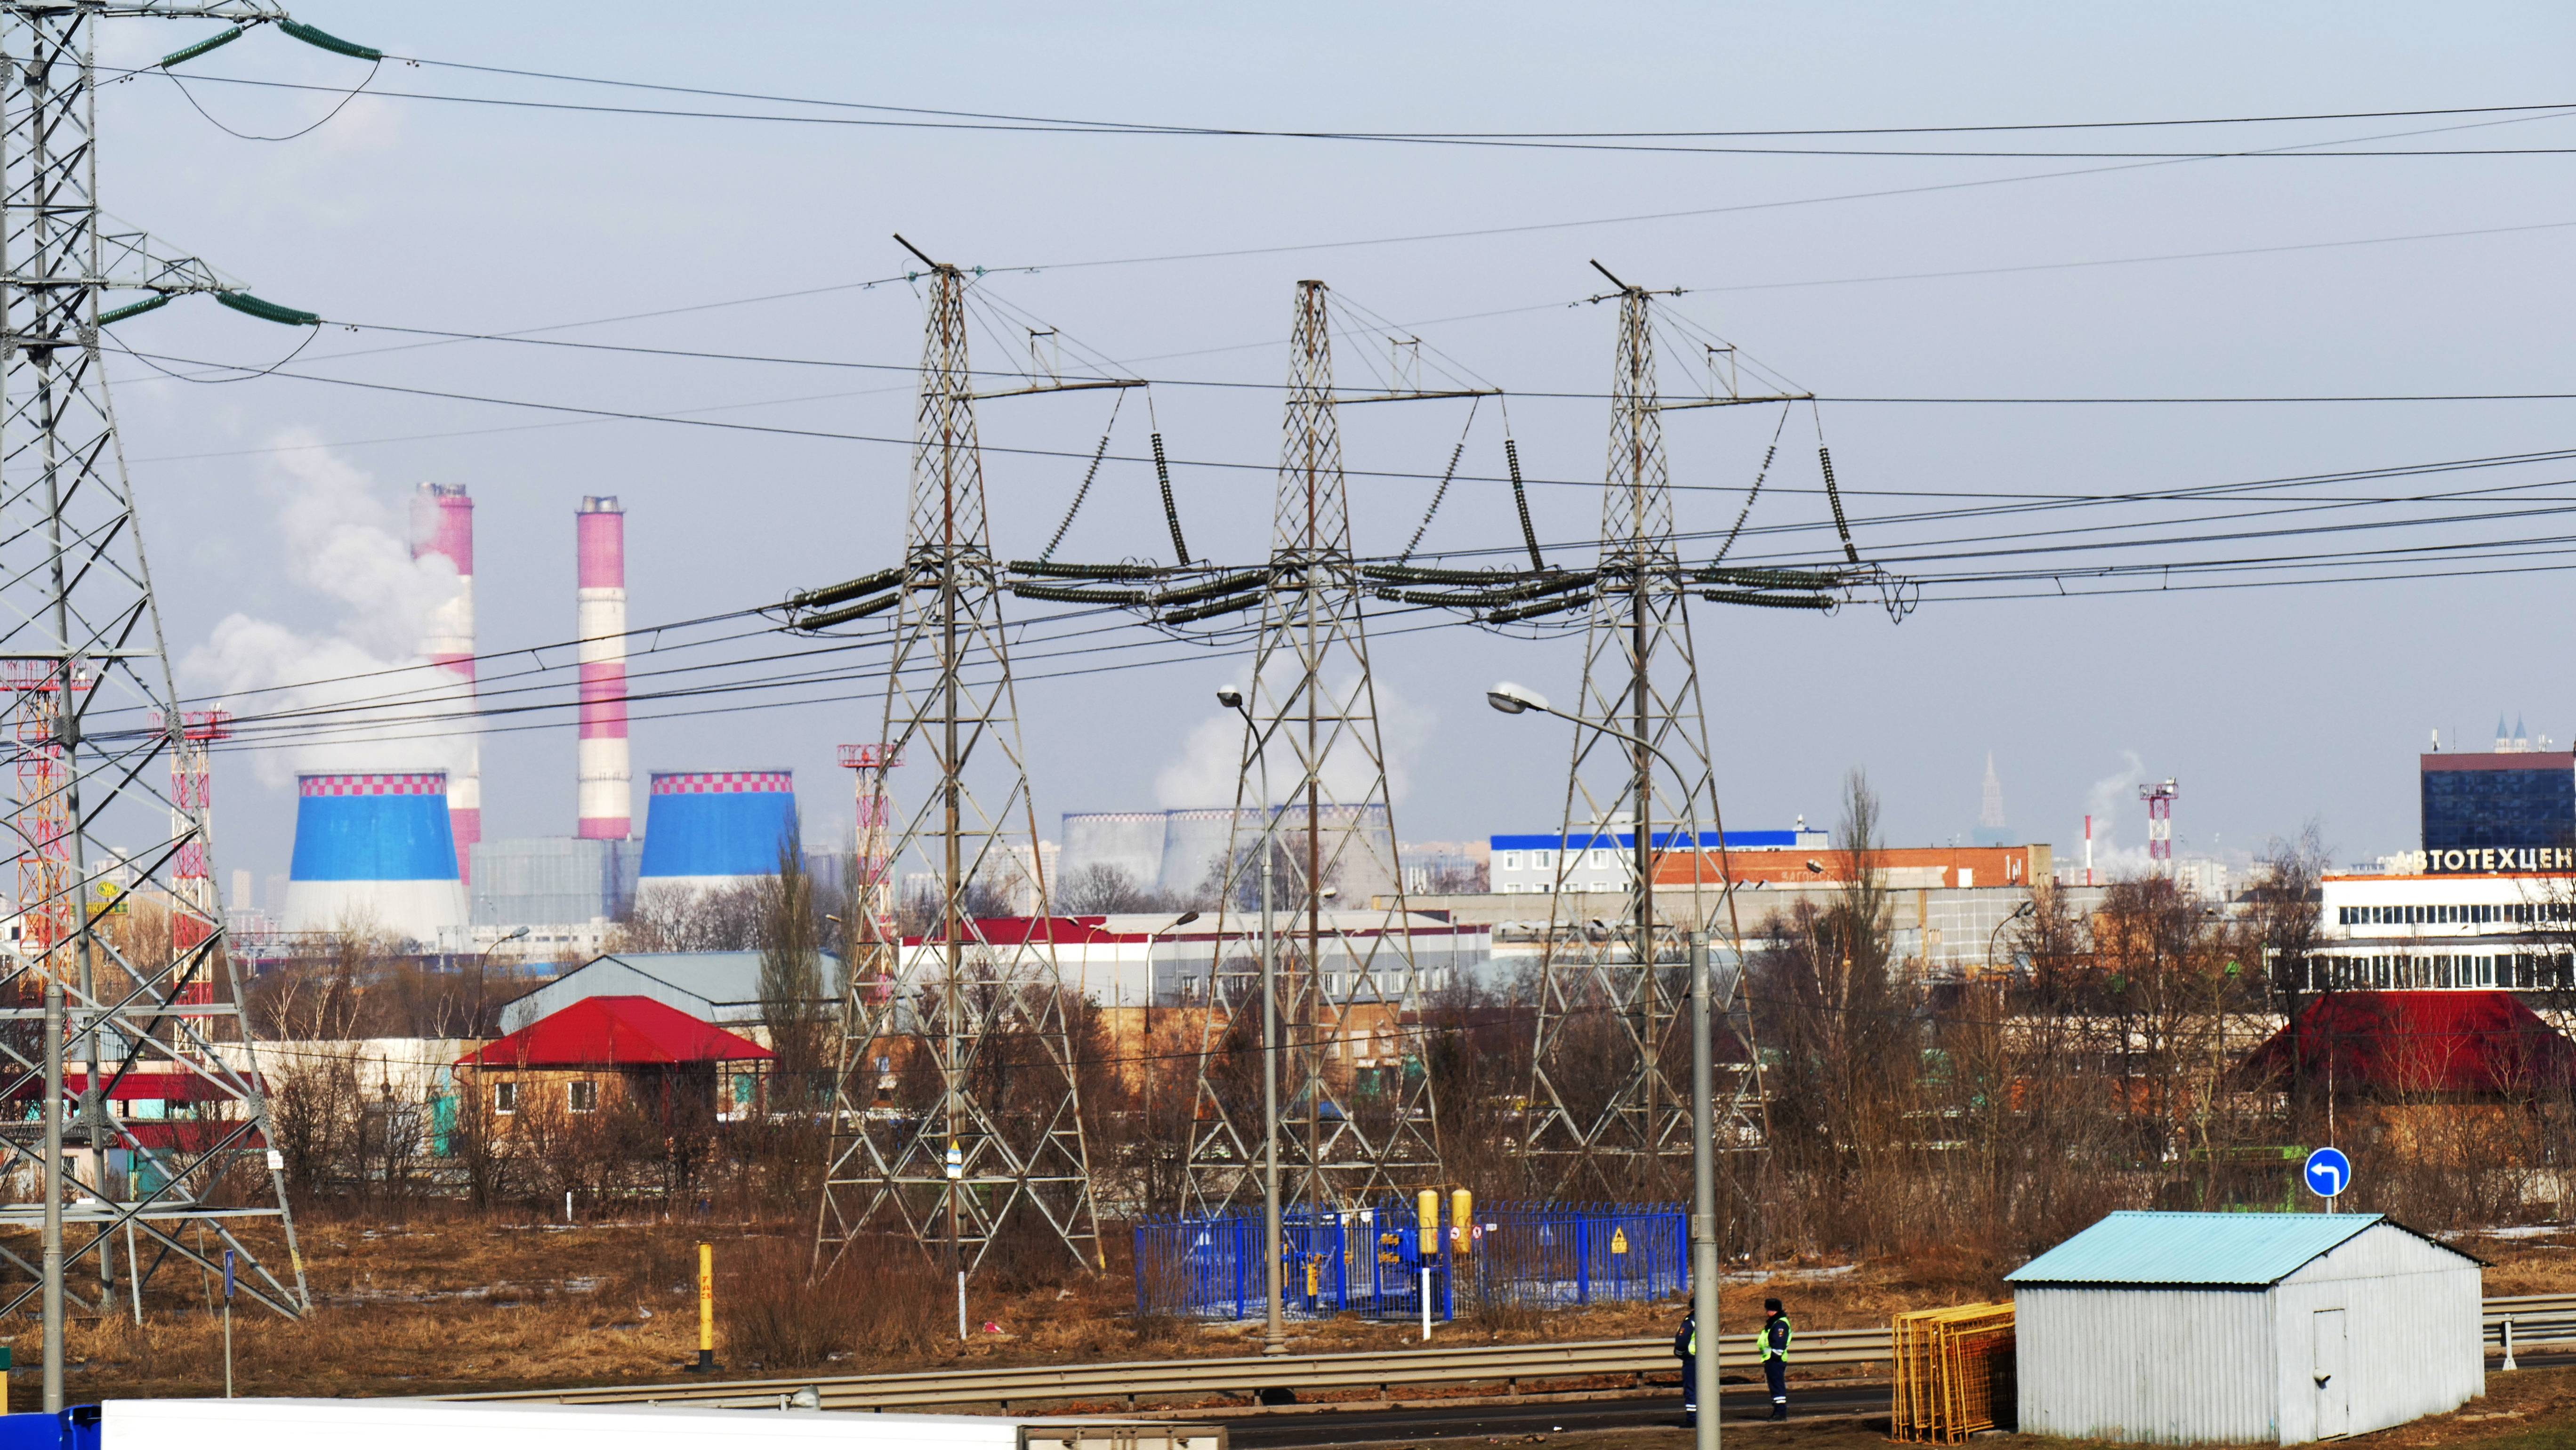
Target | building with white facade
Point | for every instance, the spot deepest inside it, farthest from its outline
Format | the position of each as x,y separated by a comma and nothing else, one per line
2463,919
1607,860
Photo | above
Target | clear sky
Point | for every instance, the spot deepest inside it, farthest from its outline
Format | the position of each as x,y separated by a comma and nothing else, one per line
2274,706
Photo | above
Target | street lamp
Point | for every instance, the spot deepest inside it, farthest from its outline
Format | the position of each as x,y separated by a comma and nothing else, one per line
474,1021
2018,913
1274,1337
1513,699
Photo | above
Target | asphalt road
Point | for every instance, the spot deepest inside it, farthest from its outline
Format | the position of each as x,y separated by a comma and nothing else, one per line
1464,1424
1284,1429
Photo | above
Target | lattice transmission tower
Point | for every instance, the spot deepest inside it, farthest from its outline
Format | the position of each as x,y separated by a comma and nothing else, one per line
132,937
1318,840
999,1148
1609,1110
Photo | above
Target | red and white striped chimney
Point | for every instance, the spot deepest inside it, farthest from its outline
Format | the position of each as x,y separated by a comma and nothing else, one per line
442,523
607,777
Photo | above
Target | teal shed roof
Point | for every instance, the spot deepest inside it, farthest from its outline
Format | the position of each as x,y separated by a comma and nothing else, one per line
2235,1250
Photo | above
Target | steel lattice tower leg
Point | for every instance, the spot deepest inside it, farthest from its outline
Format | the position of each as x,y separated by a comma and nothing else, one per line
132,937
993,1015
1347,975
1609,1114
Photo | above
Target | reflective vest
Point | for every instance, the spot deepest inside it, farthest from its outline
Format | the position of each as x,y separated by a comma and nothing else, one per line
1772,1339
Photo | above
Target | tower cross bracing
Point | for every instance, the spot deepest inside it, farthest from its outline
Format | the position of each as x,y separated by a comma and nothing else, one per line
132,936
998,1148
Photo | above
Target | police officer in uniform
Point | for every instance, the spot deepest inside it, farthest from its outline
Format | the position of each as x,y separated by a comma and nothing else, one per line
1686,1349
1772,1340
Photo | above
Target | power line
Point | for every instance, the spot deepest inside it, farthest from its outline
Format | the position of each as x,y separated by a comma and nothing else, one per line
1521,141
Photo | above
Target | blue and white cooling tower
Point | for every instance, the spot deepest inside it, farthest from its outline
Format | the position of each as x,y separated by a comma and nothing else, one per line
375,852
705,830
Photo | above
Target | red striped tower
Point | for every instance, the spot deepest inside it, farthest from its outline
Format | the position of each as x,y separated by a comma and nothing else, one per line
442,523
607,775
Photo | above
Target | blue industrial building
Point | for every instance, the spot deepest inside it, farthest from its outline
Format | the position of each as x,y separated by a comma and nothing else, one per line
2515,799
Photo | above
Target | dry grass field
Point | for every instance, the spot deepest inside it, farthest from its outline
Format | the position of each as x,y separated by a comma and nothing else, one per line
433,1305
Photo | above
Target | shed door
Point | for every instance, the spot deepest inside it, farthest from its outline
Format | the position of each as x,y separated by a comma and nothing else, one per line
2326,1361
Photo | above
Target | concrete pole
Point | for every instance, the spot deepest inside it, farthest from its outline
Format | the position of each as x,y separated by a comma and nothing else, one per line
53,1198
1703,1199
1274,1336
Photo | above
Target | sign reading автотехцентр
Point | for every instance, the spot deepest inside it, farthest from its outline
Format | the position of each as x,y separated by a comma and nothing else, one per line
2490,858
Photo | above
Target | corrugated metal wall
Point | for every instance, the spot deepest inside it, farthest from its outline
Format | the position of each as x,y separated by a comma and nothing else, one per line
2176,1366
2411,1331
2186,1365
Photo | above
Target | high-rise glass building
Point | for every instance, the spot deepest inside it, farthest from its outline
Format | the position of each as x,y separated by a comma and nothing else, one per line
2519,798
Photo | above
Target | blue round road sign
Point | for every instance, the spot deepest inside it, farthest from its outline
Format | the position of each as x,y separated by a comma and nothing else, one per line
2328,1172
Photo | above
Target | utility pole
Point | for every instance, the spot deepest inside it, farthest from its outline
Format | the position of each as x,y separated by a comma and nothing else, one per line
1004,1138
95,723
1311,697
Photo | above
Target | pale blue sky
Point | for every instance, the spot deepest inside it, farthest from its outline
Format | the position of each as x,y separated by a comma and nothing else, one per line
2272,706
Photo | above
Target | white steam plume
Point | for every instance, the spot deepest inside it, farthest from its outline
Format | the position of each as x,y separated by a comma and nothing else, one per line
2108,797
345,539
1212,753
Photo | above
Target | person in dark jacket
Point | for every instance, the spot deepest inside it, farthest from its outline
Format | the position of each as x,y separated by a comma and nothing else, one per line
1772,1340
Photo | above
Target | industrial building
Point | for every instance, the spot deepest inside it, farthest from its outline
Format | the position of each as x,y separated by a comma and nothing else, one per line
1607,860
375,851
2512,798
2193,1328
1178,851
1133,960
708,830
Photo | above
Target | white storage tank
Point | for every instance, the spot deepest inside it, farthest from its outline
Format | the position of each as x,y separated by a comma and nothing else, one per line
2188,1328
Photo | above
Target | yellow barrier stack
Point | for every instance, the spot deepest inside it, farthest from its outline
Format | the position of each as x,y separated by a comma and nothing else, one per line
1950,1366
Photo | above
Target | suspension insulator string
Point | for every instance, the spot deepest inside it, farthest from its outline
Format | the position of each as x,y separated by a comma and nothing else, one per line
1088,475
1833,495
1756,492
1520,500
1171,510
1446,475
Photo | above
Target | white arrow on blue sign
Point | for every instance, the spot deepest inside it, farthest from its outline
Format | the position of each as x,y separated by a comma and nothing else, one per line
2329,1172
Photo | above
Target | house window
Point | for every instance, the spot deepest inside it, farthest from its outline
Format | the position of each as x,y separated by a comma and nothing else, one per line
1600,858
1511,862
505,1097
585,1096
1542,860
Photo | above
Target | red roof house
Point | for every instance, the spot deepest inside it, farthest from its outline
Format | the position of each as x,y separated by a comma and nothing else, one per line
616,1032
2479,1044
602,1051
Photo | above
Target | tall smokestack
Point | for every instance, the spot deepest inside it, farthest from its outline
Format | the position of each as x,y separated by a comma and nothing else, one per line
607,779
442,523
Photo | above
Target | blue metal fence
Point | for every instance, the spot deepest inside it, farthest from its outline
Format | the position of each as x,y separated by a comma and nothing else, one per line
1369,1261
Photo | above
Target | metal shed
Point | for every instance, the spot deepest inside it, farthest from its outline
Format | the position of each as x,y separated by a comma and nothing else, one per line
2183,1328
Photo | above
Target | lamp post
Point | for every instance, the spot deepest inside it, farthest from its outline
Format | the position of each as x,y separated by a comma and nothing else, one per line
2018,913
1274,1337
482,960
1513,699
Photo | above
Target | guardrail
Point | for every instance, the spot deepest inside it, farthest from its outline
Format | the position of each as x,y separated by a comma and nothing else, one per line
2537,1319
1514,1366
1517,1368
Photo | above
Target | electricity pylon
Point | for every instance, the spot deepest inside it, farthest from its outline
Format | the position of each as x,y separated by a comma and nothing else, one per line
128,941
999,1148
1348,986
1607,1115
